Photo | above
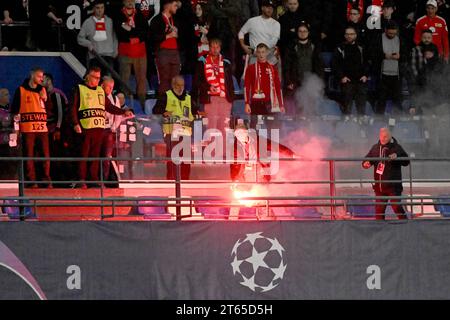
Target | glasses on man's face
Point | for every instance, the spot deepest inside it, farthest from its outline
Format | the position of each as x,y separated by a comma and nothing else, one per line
354,13
94,77
350,34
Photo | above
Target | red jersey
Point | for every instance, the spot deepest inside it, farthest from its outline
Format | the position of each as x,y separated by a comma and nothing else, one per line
438,26
262,78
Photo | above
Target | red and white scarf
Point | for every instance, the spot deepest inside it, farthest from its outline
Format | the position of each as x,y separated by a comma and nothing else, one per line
274,102
215,76
130,17
100,29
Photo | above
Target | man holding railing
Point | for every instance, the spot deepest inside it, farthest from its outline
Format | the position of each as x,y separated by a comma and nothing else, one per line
386,171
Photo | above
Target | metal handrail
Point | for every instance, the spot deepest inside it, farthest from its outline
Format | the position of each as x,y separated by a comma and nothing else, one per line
331,201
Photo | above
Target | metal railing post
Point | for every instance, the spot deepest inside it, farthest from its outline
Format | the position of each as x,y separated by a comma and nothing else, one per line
178,190
21,191
332,189
411,189
101,189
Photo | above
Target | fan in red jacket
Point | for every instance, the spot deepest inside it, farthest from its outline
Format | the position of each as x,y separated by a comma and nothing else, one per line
437,25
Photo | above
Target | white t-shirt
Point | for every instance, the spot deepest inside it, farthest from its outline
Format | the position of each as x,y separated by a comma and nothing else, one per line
261,31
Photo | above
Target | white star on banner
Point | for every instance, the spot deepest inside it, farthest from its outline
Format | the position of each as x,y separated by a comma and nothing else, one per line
257,259
235,264
253,236
279,272
236,245
276,245
250,283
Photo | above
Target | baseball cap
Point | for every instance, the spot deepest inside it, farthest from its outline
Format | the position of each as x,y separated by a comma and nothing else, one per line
268,3
432,3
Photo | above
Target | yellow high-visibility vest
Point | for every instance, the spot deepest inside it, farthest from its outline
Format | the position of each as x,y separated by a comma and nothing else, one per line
181,114
92,107
33,117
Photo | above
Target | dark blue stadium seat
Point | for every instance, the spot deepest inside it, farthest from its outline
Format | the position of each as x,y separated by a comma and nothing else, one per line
156,133
247,213
159,212
329,108
322,128
304,212
212,212
237,88
14,212
327,58
350,131
440,205
361,211
368,110
149,105
409,132
187,82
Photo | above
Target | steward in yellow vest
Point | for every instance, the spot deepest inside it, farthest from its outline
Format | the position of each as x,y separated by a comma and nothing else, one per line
178,114
88,112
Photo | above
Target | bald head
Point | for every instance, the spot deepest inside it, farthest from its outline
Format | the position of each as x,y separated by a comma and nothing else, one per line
178,85
385,135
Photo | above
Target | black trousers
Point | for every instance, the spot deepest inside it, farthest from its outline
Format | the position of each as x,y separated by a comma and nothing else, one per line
354,91
390,88
262,108
381,208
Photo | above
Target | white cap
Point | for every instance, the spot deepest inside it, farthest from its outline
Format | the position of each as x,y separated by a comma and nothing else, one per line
432,3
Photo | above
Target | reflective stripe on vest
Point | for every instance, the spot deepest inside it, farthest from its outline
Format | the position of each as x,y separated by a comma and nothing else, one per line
33,117
181,114
92,108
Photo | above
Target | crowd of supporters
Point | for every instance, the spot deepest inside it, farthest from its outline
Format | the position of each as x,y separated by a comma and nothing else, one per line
376,44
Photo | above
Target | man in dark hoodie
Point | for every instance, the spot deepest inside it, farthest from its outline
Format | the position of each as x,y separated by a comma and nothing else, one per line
88,108
289,23
387,170
423,66
351,69
29,105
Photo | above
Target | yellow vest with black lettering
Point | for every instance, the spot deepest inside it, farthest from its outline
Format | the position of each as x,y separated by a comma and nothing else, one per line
181,114
91,112
33,117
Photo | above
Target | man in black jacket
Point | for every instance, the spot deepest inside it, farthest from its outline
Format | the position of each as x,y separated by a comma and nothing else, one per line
351,69
289,23
389,170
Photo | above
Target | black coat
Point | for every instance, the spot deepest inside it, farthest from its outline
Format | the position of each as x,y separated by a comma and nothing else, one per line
139,31
392,170
292,74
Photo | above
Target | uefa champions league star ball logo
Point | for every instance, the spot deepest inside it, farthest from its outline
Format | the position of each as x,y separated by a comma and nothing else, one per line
258,262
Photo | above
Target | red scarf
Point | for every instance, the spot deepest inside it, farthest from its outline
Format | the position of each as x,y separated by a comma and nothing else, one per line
215,76
130,17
